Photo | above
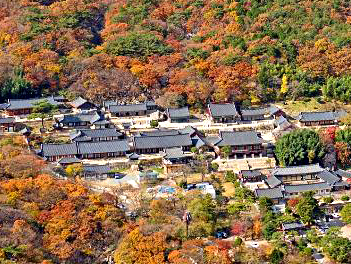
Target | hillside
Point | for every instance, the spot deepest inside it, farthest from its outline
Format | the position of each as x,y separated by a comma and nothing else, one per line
182,51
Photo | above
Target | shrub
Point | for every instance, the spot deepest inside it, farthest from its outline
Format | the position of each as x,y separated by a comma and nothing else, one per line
154,123
345,198
328,199
230,176
238,241
214,166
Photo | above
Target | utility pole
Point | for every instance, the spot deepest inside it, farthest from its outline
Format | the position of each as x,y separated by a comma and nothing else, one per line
187,220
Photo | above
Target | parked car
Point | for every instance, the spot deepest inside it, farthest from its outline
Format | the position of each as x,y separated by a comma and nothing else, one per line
222,234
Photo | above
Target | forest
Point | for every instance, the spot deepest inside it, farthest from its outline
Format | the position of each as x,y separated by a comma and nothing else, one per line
182,52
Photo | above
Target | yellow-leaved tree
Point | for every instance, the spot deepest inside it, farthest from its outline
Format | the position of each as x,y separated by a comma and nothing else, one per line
139,248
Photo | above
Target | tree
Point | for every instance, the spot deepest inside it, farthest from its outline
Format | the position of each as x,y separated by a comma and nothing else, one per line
338,248
328,199
43,109
202,209
299,147
236,208
268,230
137,45
139,248
343,153
74,170
276,256
307,208
226,151
284,87
312,236
154,123
345,213
265,204
343,135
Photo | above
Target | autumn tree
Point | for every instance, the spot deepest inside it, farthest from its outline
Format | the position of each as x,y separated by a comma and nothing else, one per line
139,248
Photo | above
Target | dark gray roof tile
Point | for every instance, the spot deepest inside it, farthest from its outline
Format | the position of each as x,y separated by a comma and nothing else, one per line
250,173
254,112
297,170
96,169
174,153
7,120
220,110
273,193
307,187
28,103
81,117
127,108
103,147
343,173
328,177
180,140
95,133
49,150
273,181
160,133
319,116
78,102
229,138
69,160
291,226
178,112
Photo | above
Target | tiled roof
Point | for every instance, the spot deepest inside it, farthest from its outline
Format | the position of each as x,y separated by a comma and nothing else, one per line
273,193
272,109
69,160
178,112
133,156
95,133
273,181
219,110
103,147
84,148
81,117
127,108
319,116
160,133
173,153
343,173
3,106
341,183
59,149
229,138
253,112
294,225
328,177
96,169
187,130
307,187
28,103
250,173
280,121
297,170
180,140
198,141
7,120
78,102
213,140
